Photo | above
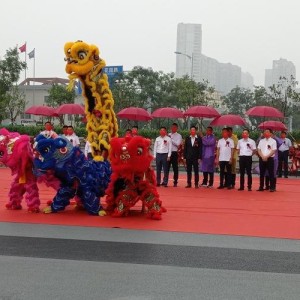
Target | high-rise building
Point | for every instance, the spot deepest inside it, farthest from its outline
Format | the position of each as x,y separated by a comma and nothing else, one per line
280,68
190,61
247,81
189,48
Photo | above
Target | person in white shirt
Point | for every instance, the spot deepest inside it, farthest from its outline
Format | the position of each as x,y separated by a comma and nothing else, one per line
88,150
162,154
246,148
225,148
283,155
72,137
266,151
49,132
176,139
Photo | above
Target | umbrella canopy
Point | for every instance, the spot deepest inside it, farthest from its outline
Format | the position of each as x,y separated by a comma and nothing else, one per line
264,111
135,114
228,120
274,125
41,110
70,109
168,112
202,111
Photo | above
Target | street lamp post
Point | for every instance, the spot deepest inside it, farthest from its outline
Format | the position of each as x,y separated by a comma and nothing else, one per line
191,58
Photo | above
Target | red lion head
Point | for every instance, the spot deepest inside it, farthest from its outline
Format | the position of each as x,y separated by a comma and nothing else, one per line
130,155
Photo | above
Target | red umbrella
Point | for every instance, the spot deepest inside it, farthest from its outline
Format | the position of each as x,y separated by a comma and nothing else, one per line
228,120
135,114
264,111
274,125
168,112
70,109
202,111
41,110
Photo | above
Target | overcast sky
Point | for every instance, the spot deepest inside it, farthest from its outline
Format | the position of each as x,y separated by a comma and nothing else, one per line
248,33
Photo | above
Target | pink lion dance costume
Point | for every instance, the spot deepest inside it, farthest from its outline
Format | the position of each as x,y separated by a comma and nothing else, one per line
132,178
16,153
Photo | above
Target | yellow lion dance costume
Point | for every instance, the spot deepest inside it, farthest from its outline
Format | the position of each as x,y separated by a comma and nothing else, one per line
84,63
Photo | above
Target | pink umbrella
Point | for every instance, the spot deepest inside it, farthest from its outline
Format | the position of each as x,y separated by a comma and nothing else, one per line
41,110
202,111
274,125
167,112
264,111
70,109
135,114
231,120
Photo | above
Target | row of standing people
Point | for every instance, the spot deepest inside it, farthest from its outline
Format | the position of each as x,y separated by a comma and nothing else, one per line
67,132
207,151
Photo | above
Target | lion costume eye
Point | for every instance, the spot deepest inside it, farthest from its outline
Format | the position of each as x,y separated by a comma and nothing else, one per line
82,55
63,150
139,150
46,150
69,51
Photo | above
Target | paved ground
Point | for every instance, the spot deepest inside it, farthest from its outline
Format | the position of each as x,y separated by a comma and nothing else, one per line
67,262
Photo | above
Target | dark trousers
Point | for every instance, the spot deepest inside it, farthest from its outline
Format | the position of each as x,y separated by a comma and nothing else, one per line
245,166
161,164
205,178
263,166
224,165
174,162
283,158
192,164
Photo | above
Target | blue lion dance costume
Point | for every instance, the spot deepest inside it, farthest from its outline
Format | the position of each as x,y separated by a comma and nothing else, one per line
86,179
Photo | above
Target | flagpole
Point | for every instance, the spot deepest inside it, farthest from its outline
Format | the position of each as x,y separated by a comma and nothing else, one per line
33,74
25,60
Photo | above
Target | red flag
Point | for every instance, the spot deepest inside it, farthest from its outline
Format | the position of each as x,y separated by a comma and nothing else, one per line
22,48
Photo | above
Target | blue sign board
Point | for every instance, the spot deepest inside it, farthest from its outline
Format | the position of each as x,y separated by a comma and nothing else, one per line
112,70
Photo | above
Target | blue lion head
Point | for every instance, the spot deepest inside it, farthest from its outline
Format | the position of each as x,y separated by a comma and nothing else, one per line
51,152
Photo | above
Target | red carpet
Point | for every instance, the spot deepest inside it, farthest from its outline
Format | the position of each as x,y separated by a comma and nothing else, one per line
261,214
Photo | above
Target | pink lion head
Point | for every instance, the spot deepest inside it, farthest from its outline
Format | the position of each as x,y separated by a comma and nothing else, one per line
15,150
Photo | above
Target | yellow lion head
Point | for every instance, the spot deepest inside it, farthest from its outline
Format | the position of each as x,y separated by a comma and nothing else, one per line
80,57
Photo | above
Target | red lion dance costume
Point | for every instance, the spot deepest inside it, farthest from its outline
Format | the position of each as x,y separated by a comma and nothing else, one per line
132,178
16,153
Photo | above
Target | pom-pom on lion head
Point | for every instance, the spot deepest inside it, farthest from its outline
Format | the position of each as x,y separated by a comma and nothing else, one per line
80,57
130,155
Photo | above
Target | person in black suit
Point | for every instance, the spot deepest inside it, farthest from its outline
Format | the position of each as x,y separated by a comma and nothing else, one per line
192,156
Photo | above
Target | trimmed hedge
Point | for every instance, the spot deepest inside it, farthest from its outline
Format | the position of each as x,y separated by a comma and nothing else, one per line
148,133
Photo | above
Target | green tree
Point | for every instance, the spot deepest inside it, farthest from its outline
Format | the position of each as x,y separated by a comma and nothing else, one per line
187,92
10,69
239,100
284,96
141,87
58,95
261,96
151,90
15,103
